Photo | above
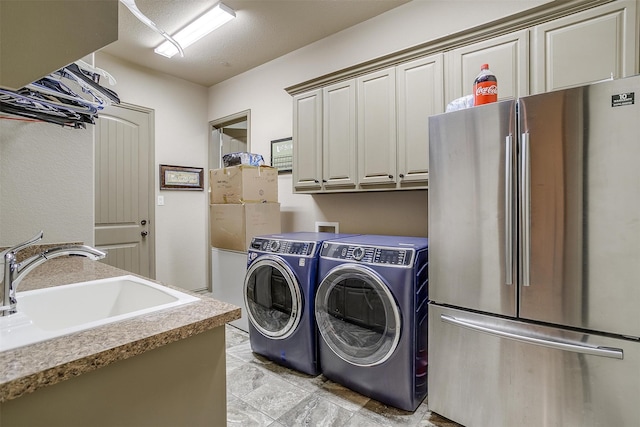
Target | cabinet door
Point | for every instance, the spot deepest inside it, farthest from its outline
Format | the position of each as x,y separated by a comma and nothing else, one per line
593,45
40,37
507,56
307,141
420,95
377,128
339,135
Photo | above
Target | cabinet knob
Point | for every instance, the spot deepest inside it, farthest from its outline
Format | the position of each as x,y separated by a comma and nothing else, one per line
324,180
390,176
401,175
316,181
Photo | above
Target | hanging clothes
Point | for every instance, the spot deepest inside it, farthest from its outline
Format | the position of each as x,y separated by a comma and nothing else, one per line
71,96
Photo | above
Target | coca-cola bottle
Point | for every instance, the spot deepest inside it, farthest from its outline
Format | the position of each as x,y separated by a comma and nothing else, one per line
485,87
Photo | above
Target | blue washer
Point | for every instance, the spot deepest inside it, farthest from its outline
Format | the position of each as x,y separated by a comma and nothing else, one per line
371,313
279,292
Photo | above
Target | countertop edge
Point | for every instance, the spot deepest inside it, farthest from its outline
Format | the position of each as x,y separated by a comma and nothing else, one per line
27,369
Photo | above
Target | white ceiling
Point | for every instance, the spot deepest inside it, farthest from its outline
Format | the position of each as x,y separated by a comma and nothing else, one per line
263,30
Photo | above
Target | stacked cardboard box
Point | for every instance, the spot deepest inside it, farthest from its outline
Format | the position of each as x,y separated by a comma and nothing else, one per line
243,203
243,184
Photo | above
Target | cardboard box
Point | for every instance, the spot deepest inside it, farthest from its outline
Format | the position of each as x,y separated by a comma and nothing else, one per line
243,184
233,225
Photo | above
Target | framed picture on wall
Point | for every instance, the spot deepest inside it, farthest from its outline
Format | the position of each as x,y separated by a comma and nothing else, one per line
282,154
181,178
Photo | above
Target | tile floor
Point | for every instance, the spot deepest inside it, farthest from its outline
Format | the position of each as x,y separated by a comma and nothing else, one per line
262,393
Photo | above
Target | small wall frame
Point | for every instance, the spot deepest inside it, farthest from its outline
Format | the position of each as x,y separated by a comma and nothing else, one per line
181,178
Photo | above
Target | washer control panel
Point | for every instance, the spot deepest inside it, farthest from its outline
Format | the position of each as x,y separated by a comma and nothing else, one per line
288,247
368,254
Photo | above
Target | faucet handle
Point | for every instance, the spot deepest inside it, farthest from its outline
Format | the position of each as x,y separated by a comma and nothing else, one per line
14,250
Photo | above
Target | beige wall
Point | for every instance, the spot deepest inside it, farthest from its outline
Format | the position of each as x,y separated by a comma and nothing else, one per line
47,177
262,91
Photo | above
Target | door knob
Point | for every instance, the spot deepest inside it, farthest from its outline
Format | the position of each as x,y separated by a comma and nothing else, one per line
144,233
143,222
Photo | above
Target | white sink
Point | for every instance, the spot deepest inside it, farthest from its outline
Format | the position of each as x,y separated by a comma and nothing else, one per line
53,312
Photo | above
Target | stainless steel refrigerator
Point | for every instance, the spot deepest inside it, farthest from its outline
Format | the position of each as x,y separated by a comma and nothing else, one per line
534,260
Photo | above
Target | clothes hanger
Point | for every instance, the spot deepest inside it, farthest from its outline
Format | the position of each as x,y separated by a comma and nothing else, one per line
86,80
55,87
51,100
32,112
131,5
85,65
32,101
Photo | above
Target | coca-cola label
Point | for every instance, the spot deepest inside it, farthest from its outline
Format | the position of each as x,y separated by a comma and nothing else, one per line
485,92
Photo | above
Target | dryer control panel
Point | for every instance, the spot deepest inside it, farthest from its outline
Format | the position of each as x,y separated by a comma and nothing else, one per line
289,247
368,254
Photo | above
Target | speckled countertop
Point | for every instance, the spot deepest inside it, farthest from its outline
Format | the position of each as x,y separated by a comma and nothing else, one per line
25,369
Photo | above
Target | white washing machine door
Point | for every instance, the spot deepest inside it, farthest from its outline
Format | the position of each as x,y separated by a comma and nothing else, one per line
272,297
357,316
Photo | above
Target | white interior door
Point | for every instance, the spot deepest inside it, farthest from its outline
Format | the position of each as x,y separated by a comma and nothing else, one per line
124,225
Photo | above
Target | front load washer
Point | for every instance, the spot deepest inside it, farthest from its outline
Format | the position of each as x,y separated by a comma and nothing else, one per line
279,291
371,313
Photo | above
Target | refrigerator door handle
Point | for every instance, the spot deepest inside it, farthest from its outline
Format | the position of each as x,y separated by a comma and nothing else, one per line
525,208
614,353
508,202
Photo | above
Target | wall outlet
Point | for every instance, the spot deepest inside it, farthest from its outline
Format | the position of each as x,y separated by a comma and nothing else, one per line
327,227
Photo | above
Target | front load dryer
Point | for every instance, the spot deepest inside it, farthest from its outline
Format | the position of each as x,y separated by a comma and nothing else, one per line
371,313
279,291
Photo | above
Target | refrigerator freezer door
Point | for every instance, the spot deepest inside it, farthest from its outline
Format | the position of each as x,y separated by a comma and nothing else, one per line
490,371
470,206
581,220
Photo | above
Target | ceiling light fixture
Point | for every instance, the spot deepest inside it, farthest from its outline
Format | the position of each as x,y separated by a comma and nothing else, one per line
214,18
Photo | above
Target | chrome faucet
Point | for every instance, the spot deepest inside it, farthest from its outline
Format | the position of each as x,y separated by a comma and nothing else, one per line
15,271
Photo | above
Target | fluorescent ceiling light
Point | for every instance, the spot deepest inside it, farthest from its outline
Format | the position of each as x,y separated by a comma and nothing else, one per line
214,18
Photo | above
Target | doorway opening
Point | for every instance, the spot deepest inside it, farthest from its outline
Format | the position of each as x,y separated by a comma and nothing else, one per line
230,134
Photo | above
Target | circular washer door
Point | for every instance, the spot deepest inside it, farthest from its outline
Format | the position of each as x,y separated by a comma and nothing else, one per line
272,297
357,315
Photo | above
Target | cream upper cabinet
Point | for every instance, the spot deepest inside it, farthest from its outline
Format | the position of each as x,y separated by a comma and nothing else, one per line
588,46
307,141
420,94
40,37
377,128
339,161
507,56
366,131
